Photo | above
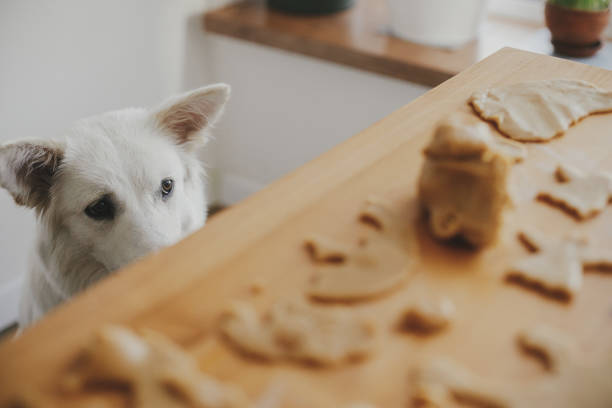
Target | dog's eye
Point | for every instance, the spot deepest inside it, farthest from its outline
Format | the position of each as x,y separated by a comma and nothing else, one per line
166,187
102,209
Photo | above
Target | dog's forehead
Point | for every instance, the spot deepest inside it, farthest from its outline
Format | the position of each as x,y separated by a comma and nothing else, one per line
119,148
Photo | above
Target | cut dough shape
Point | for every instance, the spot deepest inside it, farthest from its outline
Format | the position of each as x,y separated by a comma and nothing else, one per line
442,383
369,271
596,259
537,111
426,316
292,331
573,381
550,347
377,214
325,250
463,183
580,195
592,258
555,272
153,370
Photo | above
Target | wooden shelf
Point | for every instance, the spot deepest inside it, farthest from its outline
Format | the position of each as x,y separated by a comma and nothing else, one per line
356,37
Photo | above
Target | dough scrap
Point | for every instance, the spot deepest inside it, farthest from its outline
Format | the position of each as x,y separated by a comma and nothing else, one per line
580,195
592,258
368,271
555,272
325,250
443,382
292,331
463,183
153,370
426,316
550,347
537,111
377,214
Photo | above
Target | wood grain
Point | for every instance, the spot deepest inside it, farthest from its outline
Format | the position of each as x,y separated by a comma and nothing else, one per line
182,290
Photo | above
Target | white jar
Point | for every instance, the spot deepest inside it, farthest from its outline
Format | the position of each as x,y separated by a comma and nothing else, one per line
439,23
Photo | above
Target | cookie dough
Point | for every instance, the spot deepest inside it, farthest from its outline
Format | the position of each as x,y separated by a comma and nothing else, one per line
372,269
442,382
592,257
463,183
298,332
550,347
580,195
426,316
154,372
555,272
537,111
377,214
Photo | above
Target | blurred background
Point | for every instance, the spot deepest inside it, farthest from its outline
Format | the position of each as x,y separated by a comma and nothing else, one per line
67,59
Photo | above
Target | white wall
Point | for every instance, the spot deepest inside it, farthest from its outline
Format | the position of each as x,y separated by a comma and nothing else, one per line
66,59
287,109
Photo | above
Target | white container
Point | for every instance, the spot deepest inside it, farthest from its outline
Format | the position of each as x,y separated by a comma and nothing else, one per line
439,23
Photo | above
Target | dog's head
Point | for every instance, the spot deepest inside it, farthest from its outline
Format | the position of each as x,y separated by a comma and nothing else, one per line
121,184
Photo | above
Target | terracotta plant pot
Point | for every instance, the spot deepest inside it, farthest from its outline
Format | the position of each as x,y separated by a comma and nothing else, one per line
310,6
576,33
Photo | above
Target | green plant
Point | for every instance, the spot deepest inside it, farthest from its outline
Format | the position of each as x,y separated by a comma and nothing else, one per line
587,5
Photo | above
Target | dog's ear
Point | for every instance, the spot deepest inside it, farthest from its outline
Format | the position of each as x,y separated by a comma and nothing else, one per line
28,169
186,116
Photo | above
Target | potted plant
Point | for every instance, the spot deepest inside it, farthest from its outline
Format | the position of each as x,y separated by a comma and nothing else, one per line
576,25
438,23
310,6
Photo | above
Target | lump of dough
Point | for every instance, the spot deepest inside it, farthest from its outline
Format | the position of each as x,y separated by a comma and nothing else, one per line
463,183
152,369
295,331
537,111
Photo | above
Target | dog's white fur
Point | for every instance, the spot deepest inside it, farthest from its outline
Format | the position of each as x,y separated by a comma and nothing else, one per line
124,155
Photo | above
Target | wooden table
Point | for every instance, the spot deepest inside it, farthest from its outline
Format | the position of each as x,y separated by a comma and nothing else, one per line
182,290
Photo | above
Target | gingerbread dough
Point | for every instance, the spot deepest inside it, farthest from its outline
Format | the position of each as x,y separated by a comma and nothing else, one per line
463,183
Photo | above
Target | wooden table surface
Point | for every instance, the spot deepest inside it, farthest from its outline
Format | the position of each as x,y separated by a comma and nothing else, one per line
182,290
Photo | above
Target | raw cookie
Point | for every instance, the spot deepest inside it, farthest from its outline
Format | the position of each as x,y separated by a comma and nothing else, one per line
592,258
463,183
442,383
549,346
537,111
580,195
153,370
555,272
426,316
325,250
574,381
377,213
368,271
323,336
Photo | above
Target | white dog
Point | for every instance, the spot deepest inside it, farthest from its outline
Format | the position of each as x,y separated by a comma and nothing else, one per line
118,186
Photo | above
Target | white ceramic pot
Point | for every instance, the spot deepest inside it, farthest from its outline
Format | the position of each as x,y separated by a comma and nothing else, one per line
439,23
